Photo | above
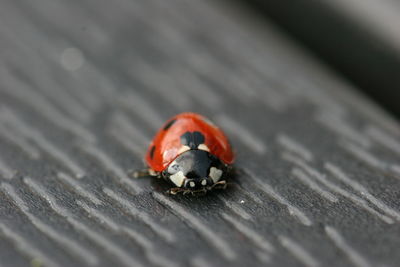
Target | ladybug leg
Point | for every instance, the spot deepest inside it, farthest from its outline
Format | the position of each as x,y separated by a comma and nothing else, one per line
187,191
200,192
145,173
176,190
184,191
219,185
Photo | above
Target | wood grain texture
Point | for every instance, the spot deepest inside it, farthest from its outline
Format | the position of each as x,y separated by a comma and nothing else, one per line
84,87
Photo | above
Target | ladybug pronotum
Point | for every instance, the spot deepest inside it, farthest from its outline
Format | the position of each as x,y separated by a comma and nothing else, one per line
191,153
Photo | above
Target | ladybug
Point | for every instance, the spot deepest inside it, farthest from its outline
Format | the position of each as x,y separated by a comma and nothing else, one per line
191,153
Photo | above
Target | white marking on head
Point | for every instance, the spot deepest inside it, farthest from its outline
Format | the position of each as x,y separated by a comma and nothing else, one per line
178,178
192,184
183,149
203,147
204,182
215,174
173,167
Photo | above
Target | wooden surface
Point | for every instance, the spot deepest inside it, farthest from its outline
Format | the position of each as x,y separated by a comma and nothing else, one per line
84,87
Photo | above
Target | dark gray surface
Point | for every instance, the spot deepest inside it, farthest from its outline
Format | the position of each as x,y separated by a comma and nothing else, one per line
84,87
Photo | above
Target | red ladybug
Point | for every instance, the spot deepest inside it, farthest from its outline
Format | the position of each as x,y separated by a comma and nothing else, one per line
190,152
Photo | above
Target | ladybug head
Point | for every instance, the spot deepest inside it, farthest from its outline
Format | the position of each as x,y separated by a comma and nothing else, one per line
195,169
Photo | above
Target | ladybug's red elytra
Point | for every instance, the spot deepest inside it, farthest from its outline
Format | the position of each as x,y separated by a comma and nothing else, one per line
190,152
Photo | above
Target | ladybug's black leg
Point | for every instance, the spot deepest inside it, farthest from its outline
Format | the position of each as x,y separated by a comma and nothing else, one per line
200,192
187,191
176,190
184,191
219,185
145,173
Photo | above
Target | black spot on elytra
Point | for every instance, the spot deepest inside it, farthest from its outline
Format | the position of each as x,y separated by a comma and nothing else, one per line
192,139
169,124
152,152
198,138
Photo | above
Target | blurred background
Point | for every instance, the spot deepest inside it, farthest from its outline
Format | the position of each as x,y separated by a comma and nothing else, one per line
307,92
359,39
